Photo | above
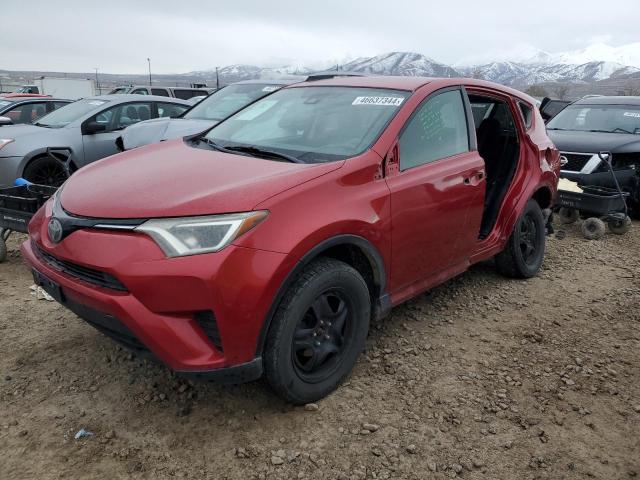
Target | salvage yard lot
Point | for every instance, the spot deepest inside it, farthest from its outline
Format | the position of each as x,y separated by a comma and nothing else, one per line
483,377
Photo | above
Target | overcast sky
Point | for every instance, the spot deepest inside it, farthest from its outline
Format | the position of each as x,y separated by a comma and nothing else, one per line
117,36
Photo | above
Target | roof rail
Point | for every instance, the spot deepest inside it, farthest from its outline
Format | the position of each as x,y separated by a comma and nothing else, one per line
333,74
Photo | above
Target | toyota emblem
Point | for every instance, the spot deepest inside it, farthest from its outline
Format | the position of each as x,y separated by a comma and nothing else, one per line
55,230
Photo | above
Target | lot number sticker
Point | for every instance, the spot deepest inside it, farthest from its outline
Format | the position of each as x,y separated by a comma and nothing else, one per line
270,88
632,114
387,101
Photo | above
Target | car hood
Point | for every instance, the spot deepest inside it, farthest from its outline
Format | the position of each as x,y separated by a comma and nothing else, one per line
594,142
173,179
160,129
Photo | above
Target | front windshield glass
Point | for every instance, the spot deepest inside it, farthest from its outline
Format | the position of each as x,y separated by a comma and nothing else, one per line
228,100
598,118
70,113
312,124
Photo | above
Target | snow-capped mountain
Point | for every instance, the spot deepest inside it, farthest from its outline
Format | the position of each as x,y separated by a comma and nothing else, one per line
526,66
401,63
524,74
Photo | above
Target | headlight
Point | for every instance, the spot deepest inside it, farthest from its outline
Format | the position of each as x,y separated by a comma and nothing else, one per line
192,235
5,141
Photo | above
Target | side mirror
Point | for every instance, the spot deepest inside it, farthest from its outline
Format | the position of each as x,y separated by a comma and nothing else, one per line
92,127
5,121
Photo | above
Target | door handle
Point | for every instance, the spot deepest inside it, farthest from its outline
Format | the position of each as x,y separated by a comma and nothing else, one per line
477,176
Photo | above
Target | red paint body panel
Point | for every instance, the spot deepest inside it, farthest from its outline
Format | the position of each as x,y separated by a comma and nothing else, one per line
423,223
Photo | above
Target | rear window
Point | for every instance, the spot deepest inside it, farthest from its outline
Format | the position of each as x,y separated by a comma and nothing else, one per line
160,91
186,94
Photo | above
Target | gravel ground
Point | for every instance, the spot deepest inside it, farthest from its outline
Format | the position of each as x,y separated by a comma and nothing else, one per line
481,378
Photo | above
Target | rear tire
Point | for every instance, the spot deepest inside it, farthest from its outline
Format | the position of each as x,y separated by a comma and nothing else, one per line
45,170
318,332
593,228
568,215
619,226
524,252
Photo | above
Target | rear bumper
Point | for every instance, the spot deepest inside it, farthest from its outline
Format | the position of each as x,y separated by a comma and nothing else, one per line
165,300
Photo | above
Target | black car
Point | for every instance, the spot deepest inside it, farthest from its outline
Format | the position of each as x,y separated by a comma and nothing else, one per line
597,124
15,108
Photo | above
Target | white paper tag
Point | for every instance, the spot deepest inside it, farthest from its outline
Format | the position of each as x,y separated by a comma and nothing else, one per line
387,101
632,114
256,110
97,102
271,88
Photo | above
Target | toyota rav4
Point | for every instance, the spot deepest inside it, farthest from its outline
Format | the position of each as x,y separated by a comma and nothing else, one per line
267,244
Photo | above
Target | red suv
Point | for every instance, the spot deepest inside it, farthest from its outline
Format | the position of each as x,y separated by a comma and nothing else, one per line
267,244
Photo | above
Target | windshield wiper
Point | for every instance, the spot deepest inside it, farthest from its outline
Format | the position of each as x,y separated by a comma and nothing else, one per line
44,125
255,151
551,128
214,145
609,131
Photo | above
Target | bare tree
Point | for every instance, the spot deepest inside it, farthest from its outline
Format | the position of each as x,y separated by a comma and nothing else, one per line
561,91
536,91
632,90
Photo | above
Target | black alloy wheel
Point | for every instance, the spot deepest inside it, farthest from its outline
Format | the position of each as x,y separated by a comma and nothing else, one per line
46,171
321,335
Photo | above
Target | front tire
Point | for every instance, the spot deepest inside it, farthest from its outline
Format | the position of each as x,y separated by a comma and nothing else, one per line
524,252
45,170
318,331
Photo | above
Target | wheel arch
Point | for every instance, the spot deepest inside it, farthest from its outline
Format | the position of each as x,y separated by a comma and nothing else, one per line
354,250
543,196
44,152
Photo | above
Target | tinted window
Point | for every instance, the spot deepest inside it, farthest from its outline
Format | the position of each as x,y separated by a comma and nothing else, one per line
314,124
160,91
140,91
527,114
170,110
228,100
57,105
121,116
438,129
186,94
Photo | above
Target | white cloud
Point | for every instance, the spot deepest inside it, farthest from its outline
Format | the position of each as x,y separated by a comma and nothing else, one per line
118,36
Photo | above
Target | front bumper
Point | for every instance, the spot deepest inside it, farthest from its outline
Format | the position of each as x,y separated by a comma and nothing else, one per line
9,170
163,298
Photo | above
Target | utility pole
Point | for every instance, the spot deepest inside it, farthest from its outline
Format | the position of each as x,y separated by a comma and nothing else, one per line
149,62
97,82
217,80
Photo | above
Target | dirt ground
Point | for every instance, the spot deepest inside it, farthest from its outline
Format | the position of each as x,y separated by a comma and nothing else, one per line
482,378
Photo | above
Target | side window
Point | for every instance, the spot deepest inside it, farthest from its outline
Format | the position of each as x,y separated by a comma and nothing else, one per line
170,109
160,91
185,94
140,91
527,114
436,130
27,112
121,116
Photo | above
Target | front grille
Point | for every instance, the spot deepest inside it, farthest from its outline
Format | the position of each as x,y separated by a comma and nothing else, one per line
88,275
576,161
207,322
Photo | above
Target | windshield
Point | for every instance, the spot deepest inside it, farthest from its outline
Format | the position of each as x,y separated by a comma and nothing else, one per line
312,124
599,118
70,113
228,100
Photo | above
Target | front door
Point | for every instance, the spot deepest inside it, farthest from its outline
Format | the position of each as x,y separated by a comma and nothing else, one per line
437,193
102,144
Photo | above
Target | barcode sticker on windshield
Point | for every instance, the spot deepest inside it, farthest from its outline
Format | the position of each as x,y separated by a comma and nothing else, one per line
388,101
632,114
270,88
